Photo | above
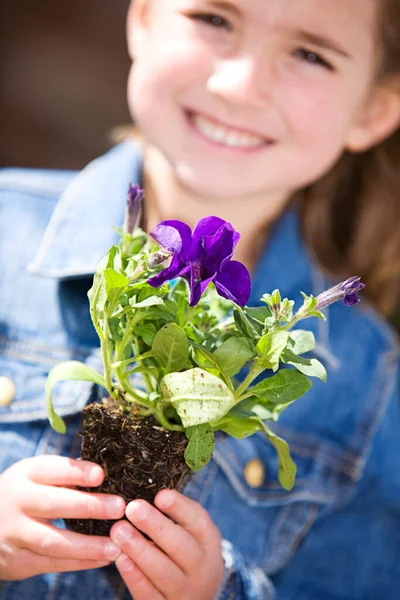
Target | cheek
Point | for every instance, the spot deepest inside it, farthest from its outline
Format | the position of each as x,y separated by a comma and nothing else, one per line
316,126
164,72
318,123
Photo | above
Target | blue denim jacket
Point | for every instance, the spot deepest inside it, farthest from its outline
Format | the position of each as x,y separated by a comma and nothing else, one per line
336,535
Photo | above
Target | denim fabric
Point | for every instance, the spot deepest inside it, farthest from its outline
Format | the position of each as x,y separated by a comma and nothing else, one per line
336,535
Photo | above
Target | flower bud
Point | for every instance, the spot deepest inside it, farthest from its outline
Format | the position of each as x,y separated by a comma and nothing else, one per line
347,290
157,258
134,204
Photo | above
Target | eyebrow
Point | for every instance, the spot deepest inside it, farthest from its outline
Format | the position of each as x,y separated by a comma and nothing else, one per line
228,6
322,42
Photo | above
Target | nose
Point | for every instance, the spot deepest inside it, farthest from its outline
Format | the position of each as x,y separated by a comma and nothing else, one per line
241,81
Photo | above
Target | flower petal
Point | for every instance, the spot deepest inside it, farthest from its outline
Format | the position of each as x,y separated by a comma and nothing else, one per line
177,268
233,282
197,286
353,285
205,227
351,299
218,248
174,235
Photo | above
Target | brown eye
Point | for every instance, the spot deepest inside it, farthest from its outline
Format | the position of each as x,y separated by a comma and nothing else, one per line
312,58
213,20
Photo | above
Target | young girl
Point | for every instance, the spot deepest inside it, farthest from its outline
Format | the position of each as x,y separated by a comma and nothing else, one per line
282,117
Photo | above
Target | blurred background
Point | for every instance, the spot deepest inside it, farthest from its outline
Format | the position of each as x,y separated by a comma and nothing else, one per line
63,72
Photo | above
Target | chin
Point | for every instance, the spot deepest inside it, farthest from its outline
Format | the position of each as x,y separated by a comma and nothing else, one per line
206,187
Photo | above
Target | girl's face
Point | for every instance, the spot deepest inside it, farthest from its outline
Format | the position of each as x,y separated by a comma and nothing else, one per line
250,96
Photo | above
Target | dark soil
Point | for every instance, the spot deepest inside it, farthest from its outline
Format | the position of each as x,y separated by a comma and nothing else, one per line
138,456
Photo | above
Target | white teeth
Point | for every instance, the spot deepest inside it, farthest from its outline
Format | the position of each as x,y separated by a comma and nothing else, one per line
229,137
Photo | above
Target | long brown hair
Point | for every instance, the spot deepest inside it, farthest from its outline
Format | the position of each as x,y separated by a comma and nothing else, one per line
351,217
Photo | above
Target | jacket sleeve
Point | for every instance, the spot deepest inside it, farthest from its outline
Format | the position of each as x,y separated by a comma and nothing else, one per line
242,580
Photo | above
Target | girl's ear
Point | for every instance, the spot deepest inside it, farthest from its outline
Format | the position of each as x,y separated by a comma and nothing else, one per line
377,119
136,25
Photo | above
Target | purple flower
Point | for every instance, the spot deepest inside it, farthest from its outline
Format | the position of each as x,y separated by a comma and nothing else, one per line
347,290
202,257
134,204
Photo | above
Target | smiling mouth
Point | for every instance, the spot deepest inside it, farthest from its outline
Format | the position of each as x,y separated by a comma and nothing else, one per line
225,135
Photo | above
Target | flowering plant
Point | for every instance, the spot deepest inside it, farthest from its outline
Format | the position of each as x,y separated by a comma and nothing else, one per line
171,309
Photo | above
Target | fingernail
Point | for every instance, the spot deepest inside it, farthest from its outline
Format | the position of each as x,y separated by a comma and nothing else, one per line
111,551
115,507
123,533
93,474
138,510
167,498
125,564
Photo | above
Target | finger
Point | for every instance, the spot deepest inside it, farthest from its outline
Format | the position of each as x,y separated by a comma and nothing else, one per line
39,565
149,559
49,502
183,549
139,586
190,515
50,541
63,471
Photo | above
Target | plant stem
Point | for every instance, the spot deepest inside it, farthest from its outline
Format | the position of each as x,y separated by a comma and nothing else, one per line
255,371
243,397
103,346
293,322
146,378
162,419
132,395
133,359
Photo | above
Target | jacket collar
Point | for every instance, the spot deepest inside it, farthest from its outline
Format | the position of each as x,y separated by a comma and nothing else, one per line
80,231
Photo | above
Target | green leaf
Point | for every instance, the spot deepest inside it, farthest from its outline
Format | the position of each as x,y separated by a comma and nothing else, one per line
251,407
70,370
200,447
146,331
237,427
309,366
287,468
257,313
318,314
147,291
180,295
270,348
97,296
206,360
249,327
197,396
115,280
310,302
113,326
151,301
302,341
193,333
265,411
233,354
287,385
171,347
256,319
154,313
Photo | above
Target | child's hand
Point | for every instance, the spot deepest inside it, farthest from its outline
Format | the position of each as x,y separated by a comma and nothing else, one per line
34,491
185,564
